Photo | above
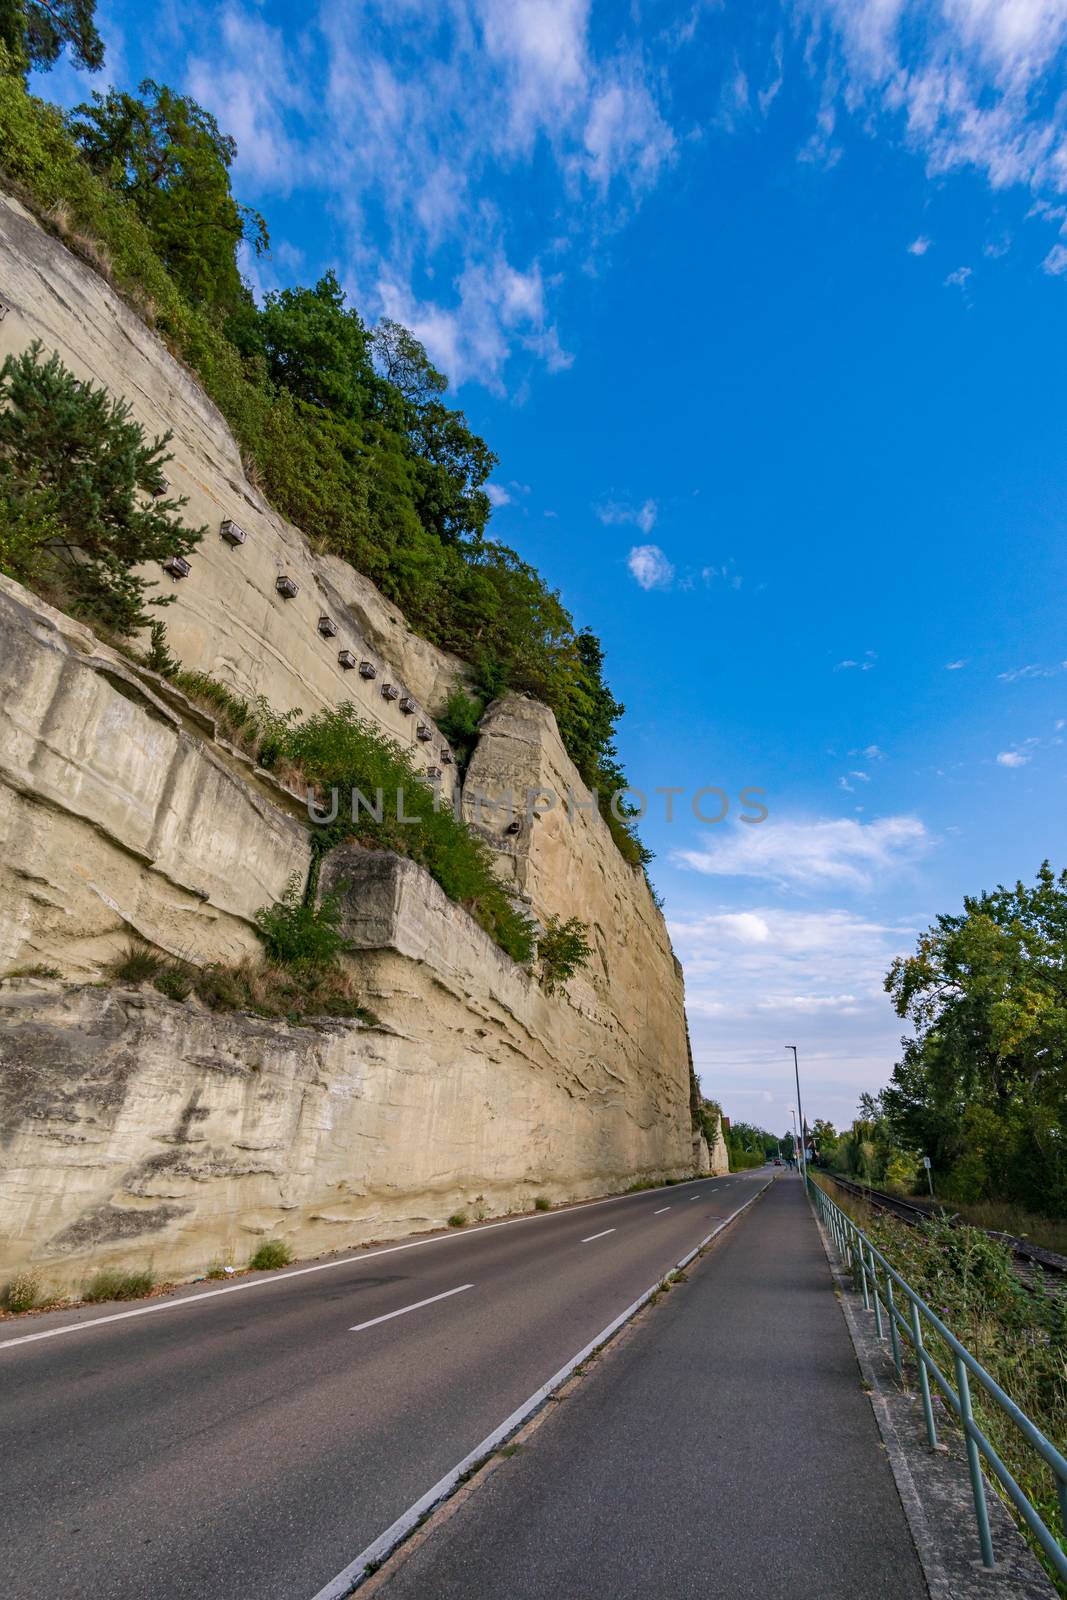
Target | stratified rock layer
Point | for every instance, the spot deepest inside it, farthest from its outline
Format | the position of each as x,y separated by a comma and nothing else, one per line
137,1127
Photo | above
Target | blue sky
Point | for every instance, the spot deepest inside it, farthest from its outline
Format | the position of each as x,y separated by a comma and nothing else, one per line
763,309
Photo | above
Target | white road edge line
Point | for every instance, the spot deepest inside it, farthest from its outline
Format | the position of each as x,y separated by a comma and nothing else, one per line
319,1266
661,1210
593,1236
389,1315
349,1579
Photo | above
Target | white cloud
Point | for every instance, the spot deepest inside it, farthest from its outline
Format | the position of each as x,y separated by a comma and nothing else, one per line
811,854
1031,670
1012,758
968,83
1055,263
843,666
615,513
958,279
497,495
955,666
253,86
753,976
919,246
650,566
404,117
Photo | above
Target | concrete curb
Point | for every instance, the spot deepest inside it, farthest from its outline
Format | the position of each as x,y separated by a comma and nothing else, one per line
933,1485
369,1561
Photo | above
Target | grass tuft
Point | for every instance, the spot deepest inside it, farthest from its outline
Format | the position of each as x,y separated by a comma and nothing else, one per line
542,1203
111,1283
458,1219
270,1255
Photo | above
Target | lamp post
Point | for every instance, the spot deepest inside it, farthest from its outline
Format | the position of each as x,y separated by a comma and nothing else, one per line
793,1114
800,1111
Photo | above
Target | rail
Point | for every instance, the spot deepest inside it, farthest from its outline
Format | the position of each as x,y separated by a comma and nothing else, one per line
1037,1255
884,1292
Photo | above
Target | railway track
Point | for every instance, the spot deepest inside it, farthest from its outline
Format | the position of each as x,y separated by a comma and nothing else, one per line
911,1211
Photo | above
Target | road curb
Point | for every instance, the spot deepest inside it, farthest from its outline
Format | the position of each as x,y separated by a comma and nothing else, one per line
365,1565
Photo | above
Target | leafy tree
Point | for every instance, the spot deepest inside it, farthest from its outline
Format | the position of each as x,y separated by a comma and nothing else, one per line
72,455
166,155
982,1086
316,347
35,33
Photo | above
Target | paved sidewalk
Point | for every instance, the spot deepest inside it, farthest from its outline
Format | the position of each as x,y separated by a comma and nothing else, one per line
726,1449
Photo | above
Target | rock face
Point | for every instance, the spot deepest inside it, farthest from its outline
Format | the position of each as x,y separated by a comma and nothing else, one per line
134,1126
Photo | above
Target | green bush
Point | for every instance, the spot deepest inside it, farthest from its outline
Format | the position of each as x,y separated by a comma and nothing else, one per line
175,980
338,750
111,1283
296,933
74,453
272,1253
542,1203
458,1219
562,950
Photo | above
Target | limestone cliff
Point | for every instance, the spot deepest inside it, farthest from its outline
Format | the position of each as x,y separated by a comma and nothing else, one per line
134,1126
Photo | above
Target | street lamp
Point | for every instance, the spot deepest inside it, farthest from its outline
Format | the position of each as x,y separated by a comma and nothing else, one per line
800,1109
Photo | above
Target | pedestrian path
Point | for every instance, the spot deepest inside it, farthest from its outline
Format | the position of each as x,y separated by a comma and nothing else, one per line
725,1449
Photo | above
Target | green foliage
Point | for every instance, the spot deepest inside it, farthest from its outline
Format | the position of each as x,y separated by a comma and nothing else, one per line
348,432
1017,1331
75,452
747,1145
270,1255
158,657
459,723
458,1219
298,933
338,750
35,32
982,1084
562,950
111,1283
165,155
542,1203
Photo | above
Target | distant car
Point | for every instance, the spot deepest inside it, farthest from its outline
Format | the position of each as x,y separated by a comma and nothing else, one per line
777,1162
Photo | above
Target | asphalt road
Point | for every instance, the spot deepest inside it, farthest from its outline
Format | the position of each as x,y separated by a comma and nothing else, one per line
725,1448
255,1441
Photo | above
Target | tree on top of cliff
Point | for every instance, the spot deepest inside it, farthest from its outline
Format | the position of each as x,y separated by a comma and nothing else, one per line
170,160
36,32
93,485
348,431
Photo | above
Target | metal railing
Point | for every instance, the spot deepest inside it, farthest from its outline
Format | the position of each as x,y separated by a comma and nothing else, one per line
885,1293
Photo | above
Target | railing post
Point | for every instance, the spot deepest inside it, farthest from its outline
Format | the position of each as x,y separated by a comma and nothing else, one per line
863,1274
974,1462
924,1376
877,1296
894,1334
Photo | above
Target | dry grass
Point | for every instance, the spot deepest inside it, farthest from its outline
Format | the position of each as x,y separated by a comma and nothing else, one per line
1002,1217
